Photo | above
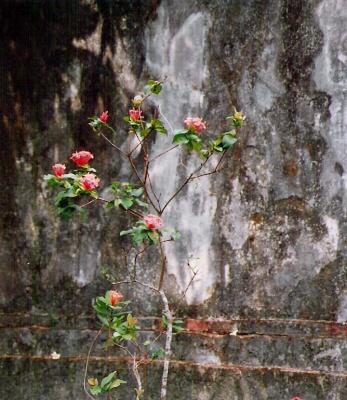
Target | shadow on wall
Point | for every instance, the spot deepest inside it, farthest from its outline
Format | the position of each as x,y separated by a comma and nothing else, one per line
38,56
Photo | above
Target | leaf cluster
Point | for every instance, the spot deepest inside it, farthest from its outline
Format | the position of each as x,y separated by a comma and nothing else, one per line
107,384
141,234
153,87
126,196
143,128
116,318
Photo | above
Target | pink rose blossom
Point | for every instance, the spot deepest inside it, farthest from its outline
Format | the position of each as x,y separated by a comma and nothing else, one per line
115,297
135,114
296,398
196,124
58,170
89,181
153,222
81,158
104,117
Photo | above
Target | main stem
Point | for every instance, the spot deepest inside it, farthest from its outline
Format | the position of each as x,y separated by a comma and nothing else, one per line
163,391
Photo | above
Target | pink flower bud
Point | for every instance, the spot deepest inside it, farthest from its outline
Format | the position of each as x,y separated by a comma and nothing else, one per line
58,170
104,117
81,158
89,181
135,114
153,222
196,124
115,297
296,398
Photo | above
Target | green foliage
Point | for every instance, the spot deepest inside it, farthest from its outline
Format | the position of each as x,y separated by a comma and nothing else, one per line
140,234
157,353
223,142
124,329
126,196
70,190
189,138
153,87
95,123
107,384
177,324
116,318
158,126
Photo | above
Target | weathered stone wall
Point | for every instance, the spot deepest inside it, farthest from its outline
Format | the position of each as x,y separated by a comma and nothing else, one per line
265,316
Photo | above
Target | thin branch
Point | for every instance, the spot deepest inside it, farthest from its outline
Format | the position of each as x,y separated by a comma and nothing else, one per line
89,202
134,367
215,171
153,191
112,144
142,184
164,152
87,363
191,279
162,266
166,120
138,144
185,183
168,342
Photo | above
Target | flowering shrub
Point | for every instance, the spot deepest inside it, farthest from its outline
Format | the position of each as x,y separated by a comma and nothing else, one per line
78,189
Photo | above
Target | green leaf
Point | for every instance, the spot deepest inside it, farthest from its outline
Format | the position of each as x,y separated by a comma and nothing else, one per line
137,192
103,320
70,176
158,353
228,141
116,383
156,88
126,202
110,205
95,390
153,87
159,126
141,203
153,236
123,233
193,137
180,138
108,379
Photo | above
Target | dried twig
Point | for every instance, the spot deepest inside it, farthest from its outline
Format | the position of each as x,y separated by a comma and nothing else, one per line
87,363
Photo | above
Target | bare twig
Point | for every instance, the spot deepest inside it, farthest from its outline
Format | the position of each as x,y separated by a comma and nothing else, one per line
166,120
191,279
162,266
185,183
111,143
153,191
164,152
168,342
87,363
89,202
133,166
